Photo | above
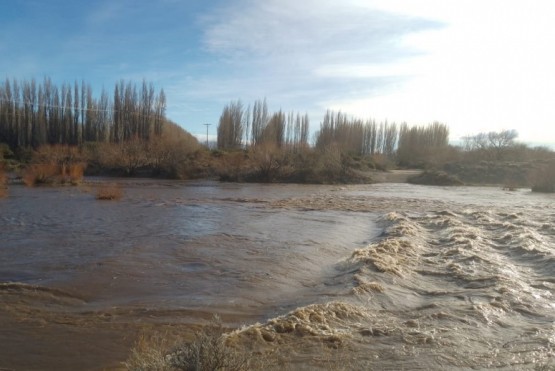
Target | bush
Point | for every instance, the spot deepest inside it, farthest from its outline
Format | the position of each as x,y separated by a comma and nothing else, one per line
109,192
53,174
435,177
543,180
55,165
233,166
37,174
207,352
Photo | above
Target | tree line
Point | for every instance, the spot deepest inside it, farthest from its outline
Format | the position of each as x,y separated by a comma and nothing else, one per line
34,114
240,127
356,136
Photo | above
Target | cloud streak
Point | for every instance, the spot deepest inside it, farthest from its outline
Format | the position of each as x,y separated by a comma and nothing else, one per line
301,54
474,65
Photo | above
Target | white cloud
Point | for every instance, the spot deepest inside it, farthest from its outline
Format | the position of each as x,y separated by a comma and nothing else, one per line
308,30
490,69
300,54
474,65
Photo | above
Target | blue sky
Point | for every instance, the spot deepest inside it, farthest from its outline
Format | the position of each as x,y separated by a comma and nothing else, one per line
476,65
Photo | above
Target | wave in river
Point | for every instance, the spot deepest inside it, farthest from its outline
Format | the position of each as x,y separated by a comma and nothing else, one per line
465,289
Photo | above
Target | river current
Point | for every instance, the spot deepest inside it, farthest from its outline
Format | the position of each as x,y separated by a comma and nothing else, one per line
384,276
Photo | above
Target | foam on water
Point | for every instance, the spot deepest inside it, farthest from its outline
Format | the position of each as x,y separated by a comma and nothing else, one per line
444,288
383,277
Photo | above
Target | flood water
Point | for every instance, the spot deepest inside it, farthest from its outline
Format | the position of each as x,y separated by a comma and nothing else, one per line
386,276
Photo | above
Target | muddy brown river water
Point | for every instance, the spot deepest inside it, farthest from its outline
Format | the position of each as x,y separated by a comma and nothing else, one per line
386,276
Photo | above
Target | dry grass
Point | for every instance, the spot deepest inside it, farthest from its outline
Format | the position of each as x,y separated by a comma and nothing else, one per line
55,165
109,192
53,174
40,174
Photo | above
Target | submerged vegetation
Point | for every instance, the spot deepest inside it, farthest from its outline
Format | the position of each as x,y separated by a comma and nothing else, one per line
109,192
435,177
215,348
55,135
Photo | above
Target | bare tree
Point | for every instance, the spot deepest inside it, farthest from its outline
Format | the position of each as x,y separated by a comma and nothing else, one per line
259,120
230,127
492,145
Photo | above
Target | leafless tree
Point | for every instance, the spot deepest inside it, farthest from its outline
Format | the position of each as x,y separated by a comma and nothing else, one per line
231,126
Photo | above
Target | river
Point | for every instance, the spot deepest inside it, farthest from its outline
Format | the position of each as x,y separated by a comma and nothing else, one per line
386,276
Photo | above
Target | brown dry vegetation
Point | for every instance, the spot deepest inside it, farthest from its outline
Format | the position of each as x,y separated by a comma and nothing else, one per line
109,192
55,165
255,145
167,155
268,163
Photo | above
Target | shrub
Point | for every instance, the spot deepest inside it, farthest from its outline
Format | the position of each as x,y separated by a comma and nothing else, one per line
268,162
232,166
109,192
434,177
543,180
207,352
74,172
36,174
172,153
149,354
53,174
55,165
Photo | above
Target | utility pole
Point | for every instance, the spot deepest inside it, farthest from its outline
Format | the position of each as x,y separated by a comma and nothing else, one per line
207,125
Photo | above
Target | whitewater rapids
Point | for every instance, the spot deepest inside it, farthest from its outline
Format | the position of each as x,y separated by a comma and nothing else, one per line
388,276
